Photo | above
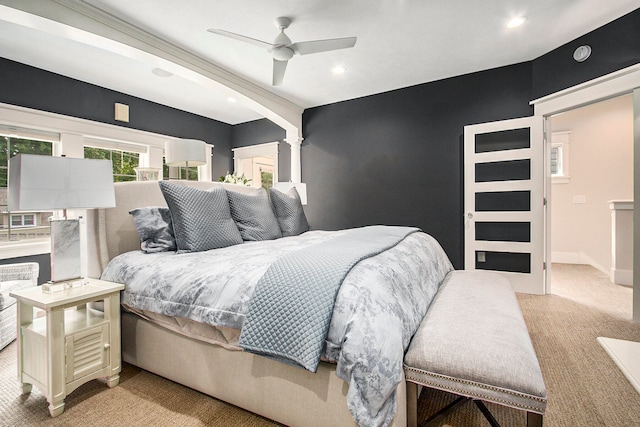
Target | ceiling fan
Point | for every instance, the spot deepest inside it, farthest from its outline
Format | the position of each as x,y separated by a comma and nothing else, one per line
282,49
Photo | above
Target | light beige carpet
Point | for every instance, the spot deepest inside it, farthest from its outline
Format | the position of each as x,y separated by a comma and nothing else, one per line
585,387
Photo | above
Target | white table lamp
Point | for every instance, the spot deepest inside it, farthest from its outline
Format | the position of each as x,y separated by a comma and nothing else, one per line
185,153
45,183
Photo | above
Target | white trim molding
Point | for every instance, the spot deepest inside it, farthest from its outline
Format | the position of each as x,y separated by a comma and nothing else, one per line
84,23
268,149
609,86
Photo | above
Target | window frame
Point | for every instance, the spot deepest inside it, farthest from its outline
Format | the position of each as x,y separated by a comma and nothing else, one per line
22,217
74,133
267,149
560,140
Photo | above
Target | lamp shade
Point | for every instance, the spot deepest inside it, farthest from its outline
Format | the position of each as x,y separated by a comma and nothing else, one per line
185,152
45,183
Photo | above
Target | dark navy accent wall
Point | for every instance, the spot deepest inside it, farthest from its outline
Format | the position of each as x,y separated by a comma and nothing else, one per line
614,46
392,158
42,90
31,87
396,157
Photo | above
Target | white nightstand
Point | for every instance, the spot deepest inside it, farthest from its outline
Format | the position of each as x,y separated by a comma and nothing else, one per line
72,343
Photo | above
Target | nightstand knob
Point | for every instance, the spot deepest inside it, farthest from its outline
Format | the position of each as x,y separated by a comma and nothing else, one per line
106,347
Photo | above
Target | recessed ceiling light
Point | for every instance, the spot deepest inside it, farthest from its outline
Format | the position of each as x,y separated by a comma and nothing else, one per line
231,100
162,73
516,22
338,69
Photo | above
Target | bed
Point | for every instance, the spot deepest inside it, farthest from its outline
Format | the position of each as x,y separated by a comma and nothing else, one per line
201,347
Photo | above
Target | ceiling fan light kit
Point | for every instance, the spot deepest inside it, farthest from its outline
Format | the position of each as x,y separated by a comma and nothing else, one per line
283,49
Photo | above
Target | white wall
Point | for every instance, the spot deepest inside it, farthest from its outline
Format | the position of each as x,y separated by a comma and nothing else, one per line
601,169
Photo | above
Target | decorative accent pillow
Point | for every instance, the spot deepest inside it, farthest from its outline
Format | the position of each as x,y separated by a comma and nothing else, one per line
254,215
154,227
201,218
289,212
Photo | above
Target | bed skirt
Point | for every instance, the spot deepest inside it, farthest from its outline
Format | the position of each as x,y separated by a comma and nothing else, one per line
289,395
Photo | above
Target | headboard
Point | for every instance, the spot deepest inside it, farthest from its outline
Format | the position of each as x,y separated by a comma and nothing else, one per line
110,232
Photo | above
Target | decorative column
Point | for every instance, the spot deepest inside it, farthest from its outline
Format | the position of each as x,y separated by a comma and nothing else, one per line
294,140
295,143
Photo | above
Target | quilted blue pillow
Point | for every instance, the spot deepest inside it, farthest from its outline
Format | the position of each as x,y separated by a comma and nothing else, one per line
201,218
288,209
153,224
253,215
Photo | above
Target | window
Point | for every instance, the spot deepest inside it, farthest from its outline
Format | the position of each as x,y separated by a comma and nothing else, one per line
23,220
25,225
123,162
556,160
26,130
258,163
559,157
179,172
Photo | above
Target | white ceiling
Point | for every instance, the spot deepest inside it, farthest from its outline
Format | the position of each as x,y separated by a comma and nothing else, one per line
400,43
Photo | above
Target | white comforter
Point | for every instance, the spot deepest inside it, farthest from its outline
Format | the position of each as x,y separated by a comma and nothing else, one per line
378,308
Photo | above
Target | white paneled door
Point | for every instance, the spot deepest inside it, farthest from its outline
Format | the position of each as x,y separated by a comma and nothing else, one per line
504,200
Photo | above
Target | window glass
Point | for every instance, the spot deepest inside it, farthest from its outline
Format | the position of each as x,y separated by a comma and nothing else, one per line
29,220
179,172
559,157
556,161
28,225
123,162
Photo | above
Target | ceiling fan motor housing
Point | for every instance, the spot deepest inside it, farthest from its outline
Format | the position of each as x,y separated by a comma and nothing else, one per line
282,53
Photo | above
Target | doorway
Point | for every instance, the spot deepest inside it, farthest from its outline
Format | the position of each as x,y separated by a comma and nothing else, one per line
618,83
591,166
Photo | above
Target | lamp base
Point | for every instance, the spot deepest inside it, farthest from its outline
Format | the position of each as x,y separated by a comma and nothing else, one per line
63,285
65,250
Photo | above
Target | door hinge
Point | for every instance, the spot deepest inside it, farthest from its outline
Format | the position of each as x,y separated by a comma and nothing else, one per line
544,201
544,265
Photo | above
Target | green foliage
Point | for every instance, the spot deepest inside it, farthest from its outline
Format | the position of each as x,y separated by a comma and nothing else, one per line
232,178
267,180
10,147
123,162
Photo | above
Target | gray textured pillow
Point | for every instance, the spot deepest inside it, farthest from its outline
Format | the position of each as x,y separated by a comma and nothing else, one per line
254,215
201,218
153,224
288,209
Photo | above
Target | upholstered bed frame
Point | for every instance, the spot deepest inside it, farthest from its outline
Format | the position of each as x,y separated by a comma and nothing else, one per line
286,394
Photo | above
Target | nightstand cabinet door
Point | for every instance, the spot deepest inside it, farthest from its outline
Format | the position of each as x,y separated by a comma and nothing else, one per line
87,352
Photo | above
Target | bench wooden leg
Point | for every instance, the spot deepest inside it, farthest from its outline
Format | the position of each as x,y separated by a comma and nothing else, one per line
412,404
534,420
485,411
433,419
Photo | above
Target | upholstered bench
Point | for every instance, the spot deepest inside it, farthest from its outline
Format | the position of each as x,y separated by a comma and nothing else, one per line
473,342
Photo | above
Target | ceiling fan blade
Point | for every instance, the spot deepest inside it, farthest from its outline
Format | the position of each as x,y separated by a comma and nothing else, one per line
315,46
245,39
279,68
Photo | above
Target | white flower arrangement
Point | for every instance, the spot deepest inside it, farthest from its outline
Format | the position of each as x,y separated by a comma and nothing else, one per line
232,178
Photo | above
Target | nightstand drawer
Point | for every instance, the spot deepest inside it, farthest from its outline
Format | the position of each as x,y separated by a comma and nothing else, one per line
86,352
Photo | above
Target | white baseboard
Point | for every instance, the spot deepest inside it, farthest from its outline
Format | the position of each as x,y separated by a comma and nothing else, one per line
577,258
566,257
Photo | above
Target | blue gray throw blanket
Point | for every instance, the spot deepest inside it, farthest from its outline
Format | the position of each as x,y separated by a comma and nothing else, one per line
292,304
